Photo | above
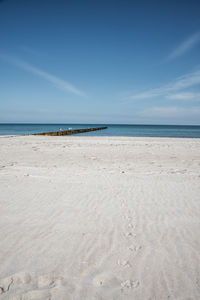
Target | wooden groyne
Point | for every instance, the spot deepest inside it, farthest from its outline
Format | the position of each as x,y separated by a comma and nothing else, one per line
69,132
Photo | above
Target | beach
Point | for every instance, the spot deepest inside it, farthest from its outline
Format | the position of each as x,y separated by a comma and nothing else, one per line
99,218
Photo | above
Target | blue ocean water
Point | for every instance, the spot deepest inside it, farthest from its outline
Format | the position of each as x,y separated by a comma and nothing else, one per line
113,130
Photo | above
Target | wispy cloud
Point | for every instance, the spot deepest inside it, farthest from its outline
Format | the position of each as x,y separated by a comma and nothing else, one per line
57,82
178,84
184,96
185,46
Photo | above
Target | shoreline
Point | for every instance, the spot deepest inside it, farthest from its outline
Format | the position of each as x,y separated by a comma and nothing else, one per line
76,136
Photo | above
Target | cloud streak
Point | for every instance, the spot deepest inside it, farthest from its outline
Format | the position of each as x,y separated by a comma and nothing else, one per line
184,96
178,84
185,46
57,82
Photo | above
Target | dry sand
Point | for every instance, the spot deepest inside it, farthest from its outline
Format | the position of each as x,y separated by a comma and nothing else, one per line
99,218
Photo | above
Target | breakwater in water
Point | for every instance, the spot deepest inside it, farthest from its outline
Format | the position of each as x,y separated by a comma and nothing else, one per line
69,132
177,131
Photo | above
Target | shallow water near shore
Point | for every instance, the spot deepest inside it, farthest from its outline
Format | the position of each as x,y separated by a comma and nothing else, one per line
186,131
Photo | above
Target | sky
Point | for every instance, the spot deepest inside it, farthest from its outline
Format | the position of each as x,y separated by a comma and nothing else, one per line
117,62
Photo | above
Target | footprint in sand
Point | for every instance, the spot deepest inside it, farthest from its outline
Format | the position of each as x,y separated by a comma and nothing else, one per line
5,285
105,280
124,263
26,287
127,217
135,248
11,282
45,280
130,234
130,225
129,284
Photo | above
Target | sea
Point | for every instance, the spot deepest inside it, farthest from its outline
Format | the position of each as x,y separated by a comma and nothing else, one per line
178,131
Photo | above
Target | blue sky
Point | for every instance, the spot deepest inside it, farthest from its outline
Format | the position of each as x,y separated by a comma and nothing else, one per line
132,62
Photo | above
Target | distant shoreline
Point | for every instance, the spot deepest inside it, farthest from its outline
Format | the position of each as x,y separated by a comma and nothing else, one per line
186,131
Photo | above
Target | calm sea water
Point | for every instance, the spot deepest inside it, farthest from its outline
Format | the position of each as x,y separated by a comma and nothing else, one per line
113,130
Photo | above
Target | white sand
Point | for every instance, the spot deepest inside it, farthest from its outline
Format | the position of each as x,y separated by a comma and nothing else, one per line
99,218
